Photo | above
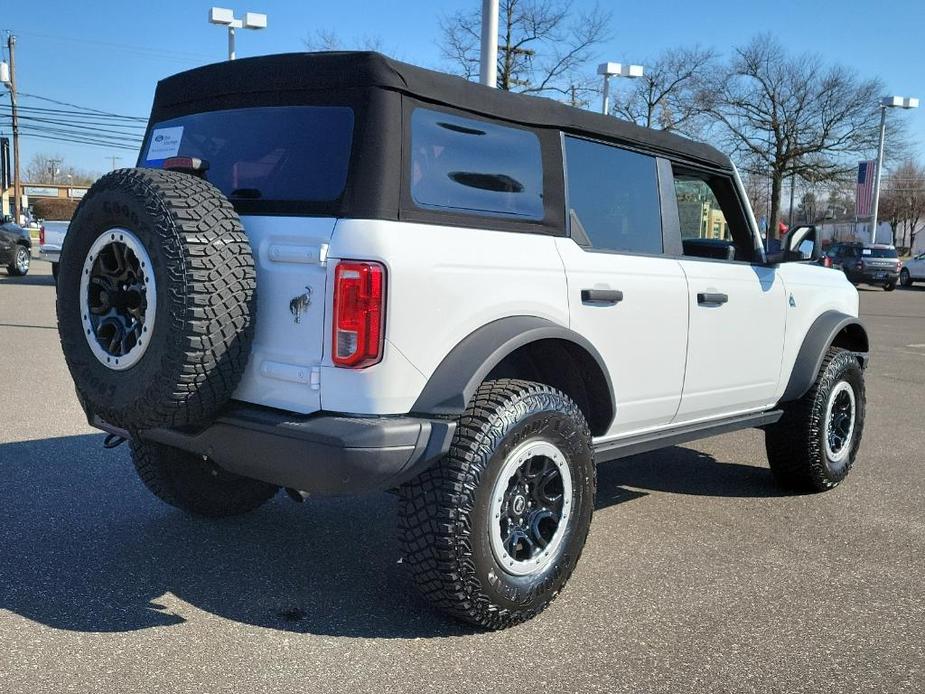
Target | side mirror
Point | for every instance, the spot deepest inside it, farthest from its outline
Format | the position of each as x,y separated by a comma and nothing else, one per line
802,244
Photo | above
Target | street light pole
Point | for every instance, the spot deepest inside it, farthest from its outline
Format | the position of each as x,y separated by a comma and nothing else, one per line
488,56
226,18
885,103
609,70
11,85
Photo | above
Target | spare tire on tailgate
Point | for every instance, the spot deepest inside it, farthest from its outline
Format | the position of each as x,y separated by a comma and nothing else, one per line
156,299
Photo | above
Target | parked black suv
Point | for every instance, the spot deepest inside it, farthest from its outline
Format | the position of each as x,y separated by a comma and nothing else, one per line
876,264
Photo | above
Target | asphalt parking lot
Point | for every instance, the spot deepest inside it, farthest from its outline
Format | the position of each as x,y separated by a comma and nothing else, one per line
699,575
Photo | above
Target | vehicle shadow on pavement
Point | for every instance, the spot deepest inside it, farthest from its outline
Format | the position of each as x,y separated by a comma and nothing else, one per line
28,280
85,547
684,471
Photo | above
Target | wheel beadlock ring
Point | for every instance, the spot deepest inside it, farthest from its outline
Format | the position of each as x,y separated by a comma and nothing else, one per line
509,496
117,299
840,419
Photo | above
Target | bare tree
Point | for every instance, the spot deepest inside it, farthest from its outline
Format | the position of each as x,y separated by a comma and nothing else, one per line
671,95
794,115
329,40
902,201
51,168
543,46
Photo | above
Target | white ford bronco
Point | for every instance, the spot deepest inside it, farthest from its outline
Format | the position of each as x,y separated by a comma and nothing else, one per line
336,273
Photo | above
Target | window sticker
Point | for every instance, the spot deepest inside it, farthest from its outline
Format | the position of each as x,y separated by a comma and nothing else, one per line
165,142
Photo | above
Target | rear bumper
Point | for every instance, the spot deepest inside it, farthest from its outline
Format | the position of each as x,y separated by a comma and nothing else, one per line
873,276
50,253
320,454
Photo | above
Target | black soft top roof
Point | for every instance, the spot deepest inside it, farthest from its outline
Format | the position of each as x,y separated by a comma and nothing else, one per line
208,87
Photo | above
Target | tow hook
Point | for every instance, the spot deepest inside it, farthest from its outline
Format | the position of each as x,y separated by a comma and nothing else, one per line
113,440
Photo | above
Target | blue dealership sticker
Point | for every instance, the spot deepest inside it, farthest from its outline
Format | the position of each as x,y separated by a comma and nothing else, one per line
165,142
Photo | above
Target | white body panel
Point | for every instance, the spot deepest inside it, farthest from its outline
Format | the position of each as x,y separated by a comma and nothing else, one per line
814,291
443,284
734,349
642,339
54,239
671,360
916,267
284,367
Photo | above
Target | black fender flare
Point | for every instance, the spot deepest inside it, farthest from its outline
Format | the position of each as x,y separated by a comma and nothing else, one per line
820,336
454,381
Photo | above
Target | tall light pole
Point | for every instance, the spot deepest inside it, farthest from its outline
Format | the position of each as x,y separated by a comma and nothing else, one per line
609,70
9,80
488,56
225,17
885,103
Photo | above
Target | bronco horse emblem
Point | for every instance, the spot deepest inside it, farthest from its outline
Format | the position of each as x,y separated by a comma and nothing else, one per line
300,304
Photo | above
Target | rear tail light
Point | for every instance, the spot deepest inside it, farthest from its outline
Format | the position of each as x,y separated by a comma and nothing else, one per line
826,262
42,235
359,303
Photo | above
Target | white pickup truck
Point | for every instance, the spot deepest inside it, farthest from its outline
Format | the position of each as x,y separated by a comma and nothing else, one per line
51,238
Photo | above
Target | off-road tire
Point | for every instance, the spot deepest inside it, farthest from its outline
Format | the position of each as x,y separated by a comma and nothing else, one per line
194,485
905,278
795,445
444,519
206,299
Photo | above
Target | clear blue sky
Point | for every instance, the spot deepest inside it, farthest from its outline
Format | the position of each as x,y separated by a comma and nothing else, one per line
109,54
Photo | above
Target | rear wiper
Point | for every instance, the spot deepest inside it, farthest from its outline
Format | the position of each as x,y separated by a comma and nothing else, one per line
246,193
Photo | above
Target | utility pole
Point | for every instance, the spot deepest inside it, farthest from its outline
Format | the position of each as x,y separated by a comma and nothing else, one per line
488,57
113,159
17,189
53,168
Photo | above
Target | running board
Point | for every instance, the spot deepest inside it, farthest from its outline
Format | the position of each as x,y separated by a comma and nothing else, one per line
643,443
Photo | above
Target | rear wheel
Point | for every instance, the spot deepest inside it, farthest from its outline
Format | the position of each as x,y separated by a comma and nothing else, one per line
194,485
492,533
813,446
889,286
21,261
905,279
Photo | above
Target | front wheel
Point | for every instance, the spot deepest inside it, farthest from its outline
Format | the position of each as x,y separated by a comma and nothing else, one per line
21,261
492,532
814,444
905,279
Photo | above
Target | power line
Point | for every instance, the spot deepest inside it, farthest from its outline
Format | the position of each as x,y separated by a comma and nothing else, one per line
143,51
82,108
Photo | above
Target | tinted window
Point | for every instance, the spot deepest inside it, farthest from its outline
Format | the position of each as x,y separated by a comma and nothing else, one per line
298,153
880,252
613,197
465,165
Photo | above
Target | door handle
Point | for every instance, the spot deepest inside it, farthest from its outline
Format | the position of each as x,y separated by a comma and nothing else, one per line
710,298
601,296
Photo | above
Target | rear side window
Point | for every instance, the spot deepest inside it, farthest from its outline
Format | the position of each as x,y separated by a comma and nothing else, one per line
470,166
280,153
613,197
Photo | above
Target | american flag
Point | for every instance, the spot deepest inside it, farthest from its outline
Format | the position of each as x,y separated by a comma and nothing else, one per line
865,189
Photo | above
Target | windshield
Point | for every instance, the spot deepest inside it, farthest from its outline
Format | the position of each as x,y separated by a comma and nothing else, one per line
285,153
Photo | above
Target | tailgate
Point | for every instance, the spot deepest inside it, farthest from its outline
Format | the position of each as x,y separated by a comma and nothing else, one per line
283,370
